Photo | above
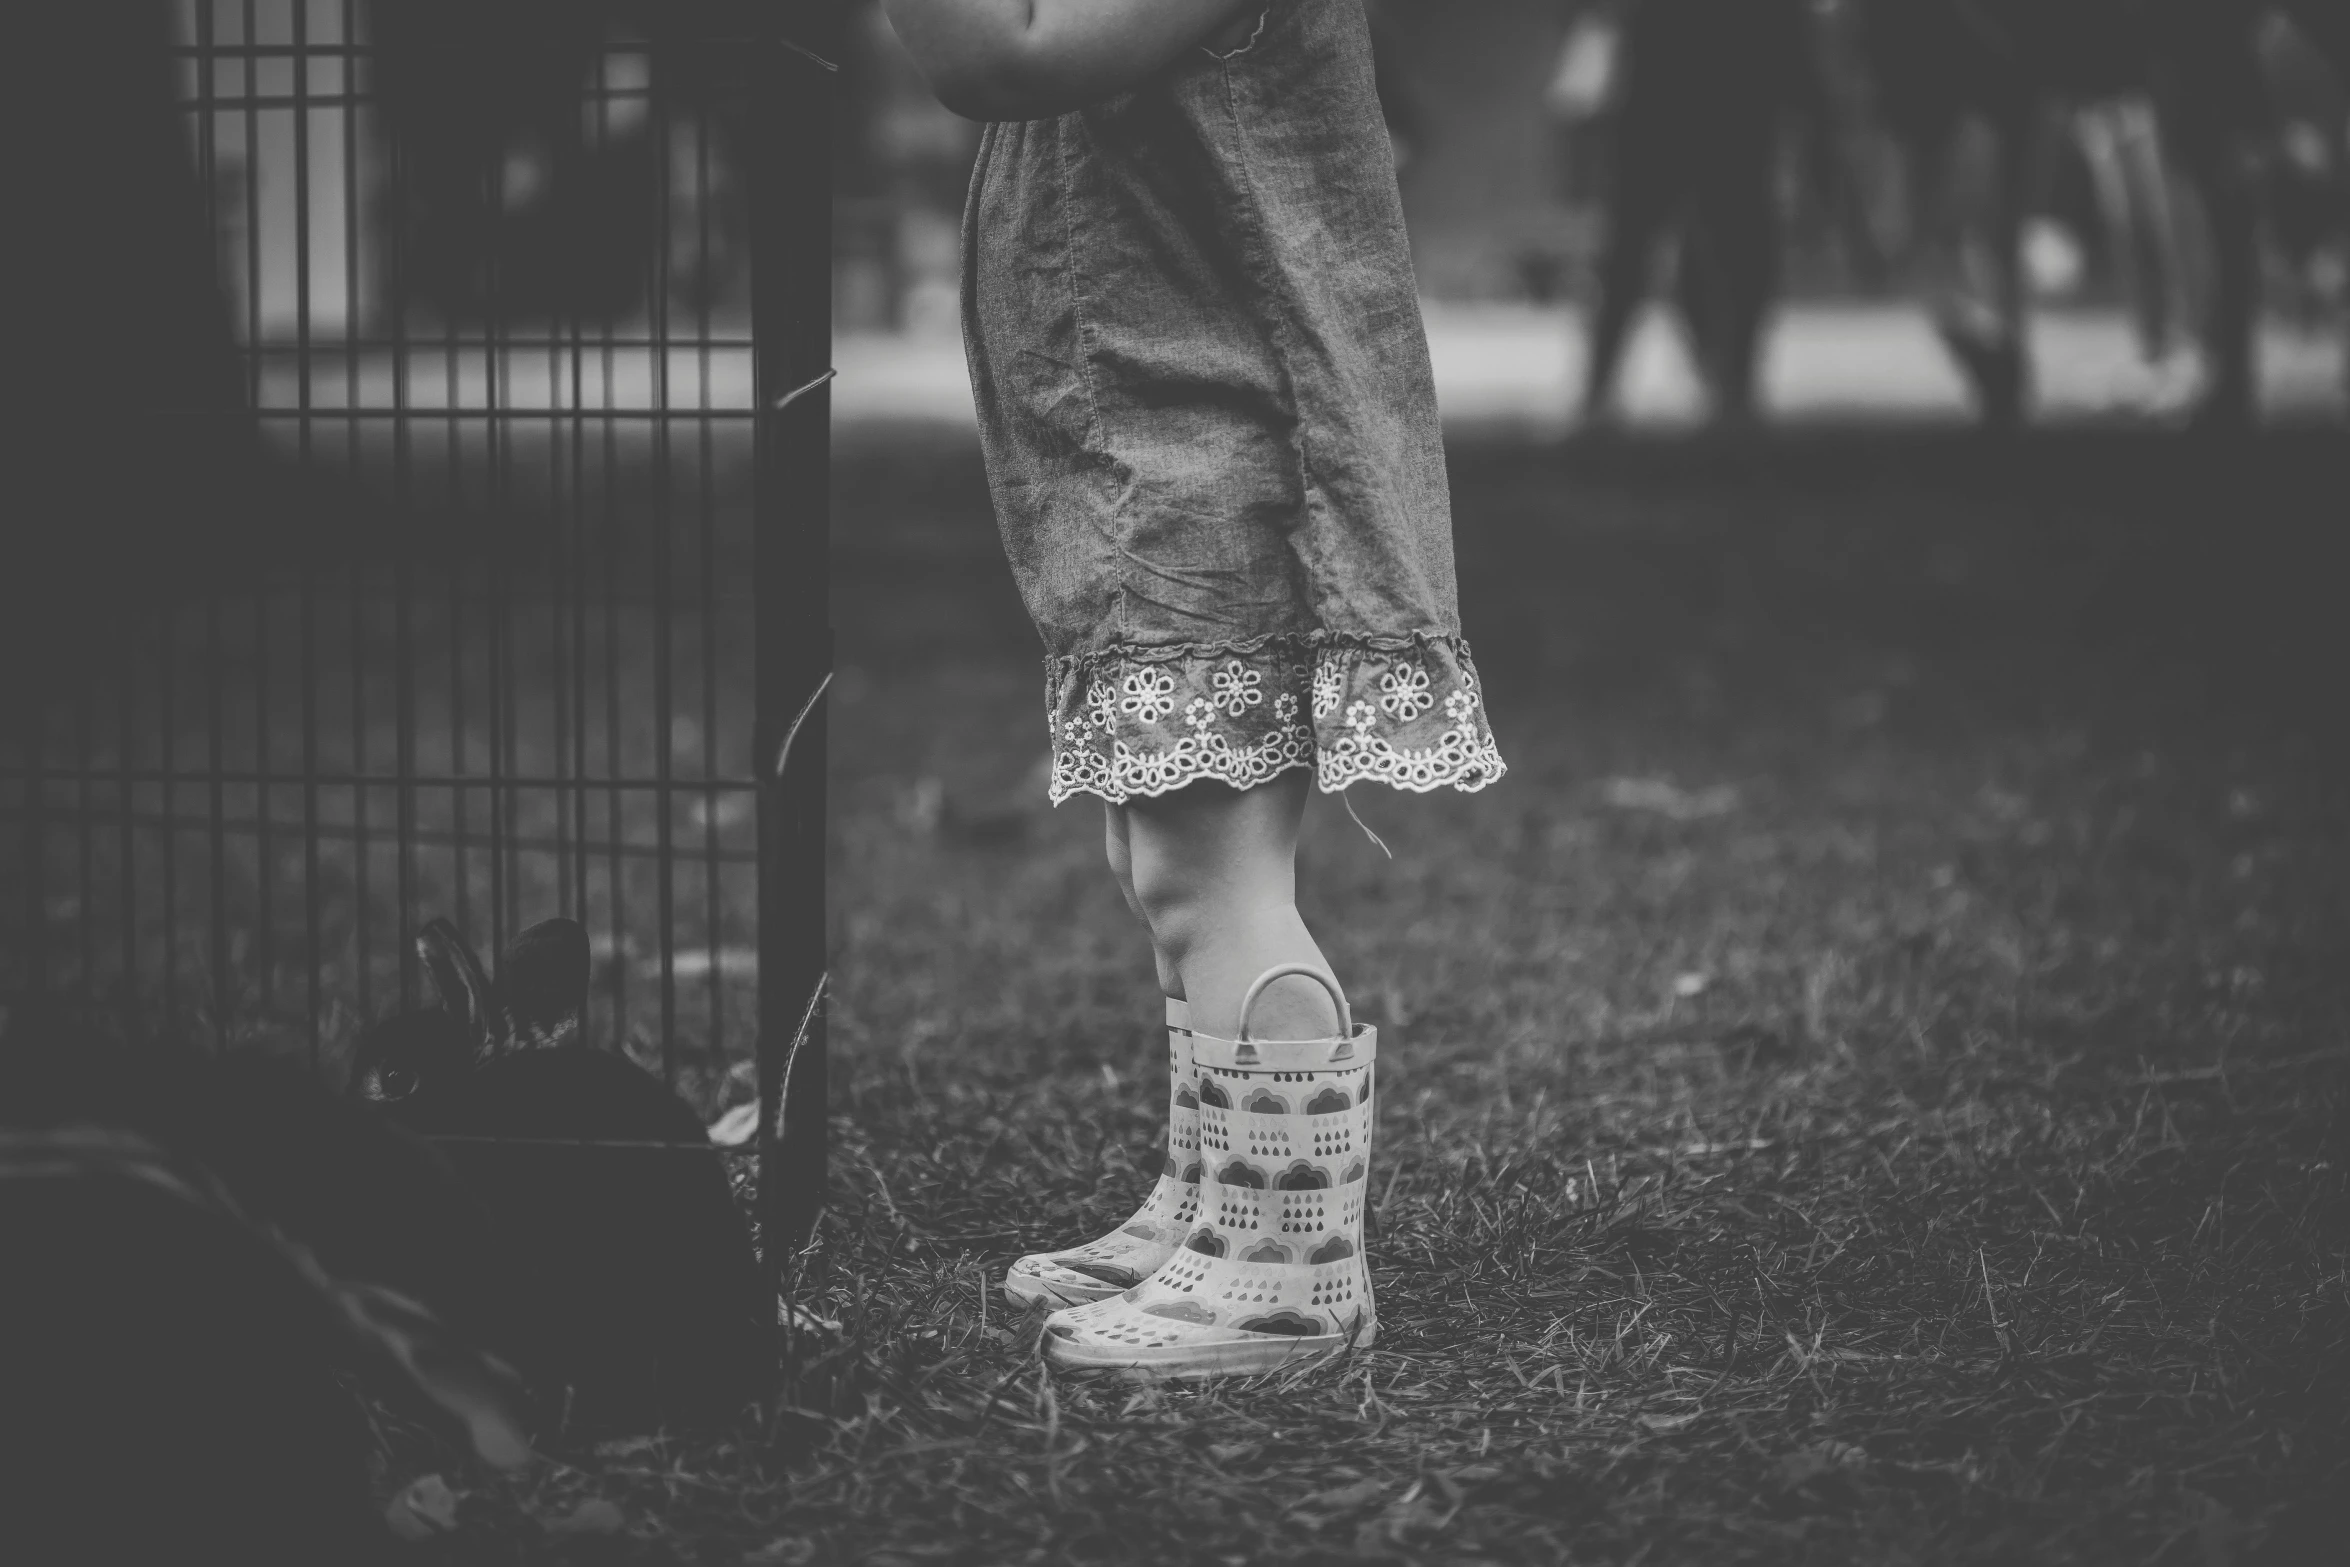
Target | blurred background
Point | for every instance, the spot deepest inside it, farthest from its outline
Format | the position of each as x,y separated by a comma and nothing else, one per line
1856,140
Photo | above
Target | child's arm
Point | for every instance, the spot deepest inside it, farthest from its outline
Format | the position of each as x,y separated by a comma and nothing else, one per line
1027,59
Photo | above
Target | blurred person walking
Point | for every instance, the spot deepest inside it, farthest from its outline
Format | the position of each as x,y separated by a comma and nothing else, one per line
2215,64
1210,430
1953,87
1961,85
1703,89
2121,143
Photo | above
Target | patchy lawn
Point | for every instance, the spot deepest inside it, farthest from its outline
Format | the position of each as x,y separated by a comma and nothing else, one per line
1867,1087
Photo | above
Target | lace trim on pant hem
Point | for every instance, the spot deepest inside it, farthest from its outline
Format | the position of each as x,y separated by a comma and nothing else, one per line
1403,710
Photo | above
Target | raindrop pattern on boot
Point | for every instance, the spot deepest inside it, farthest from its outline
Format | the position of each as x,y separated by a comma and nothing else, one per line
1133,1251
1274,1266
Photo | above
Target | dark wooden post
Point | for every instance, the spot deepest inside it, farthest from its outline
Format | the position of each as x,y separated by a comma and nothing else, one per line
790,167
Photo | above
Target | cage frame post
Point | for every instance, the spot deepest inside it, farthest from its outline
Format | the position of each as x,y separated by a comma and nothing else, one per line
790,179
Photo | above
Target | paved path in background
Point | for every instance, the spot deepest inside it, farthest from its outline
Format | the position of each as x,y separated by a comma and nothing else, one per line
1497,367
1512,367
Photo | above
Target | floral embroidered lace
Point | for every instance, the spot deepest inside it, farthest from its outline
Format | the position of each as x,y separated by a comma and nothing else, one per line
1405,711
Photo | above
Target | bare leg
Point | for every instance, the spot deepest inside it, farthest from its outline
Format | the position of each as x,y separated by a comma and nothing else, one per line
1738,229
2095,127
2153,200
1979,309
1643,194
2234,218
1215,872
1697,294
2118,140
1122,866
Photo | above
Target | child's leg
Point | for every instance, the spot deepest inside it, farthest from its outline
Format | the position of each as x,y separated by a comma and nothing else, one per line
1135,1249
1269,1275
1114,836
1214,870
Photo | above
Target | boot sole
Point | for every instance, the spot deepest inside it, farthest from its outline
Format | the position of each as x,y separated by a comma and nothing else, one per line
1184,1363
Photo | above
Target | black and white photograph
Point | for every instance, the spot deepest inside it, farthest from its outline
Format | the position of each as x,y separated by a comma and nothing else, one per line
745,815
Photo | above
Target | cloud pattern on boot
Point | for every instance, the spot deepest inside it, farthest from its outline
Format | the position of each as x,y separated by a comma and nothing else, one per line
1274,1263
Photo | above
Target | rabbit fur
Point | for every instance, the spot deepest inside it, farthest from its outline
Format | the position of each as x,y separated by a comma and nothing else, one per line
634,1289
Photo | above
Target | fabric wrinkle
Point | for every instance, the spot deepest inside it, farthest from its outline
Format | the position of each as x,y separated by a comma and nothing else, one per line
1212,436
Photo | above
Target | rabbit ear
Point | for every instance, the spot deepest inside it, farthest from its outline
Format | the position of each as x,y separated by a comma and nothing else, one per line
458,979
543,983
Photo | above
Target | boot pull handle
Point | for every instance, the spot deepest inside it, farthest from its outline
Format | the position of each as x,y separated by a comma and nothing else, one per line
1248,1003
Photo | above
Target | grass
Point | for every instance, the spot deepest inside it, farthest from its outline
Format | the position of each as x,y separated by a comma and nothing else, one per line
1868,1086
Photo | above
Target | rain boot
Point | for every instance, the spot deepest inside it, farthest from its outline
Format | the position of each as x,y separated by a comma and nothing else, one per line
1271,1275
1133,1251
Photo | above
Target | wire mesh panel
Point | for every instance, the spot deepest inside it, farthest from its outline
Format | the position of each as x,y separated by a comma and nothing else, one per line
517,291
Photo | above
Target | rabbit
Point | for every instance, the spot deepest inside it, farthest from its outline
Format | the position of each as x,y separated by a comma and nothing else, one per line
634,1286
407,1062
172,1345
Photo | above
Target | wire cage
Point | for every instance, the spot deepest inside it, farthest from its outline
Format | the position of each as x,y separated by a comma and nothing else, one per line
534,299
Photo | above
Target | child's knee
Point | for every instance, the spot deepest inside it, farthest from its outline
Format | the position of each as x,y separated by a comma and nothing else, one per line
1170,896
1118,849
1206,851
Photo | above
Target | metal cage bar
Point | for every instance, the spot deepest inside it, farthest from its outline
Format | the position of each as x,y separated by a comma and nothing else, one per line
791,291
547,631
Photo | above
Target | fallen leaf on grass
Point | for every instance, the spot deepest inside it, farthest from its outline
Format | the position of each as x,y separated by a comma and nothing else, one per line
1733,1145
801,1319
1664,1425
425,1509
791,1551
1827,1458
1666,798
1341,1499
737,1126
627,1446
593,1516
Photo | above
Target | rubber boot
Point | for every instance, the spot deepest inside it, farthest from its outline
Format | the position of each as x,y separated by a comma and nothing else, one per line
1133,1251
1272,1275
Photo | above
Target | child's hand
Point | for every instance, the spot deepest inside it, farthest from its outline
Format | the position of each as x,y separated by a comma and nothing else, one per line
1028,59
